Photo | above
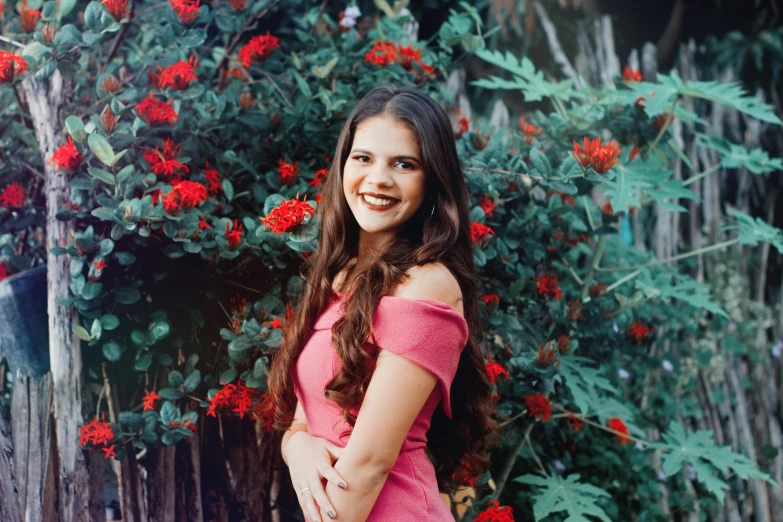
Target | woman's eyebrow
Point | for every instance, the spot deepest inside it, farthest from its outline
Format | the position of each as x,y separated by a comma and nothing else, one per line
401,157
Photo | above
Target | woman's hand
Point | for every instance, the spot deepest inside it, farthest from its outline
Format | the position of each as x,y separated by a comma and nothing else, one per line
309,459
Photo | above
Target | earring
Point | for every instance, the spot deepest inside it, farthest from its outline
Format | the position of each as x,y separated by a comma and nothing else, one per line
433,210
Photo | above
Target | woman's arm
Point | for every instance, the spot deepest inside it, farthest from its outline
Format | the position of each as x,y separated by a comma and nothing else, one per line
299,424
396,394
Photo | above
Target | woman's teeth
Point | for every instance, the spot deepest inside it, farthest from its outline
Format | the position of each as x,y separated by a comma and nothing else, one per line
375,201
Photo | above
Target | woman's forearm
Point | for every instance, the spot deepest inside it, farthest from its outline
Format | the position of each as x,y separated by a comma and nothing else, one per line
297,426
365,481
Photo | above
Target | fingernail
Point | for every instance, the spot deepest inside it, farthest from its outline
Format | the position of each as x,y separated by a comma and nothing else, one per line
341,484
331,514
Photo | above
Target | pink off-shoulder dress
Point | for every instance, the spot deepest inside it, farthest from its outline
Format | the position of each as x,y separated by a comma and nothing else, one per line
429,333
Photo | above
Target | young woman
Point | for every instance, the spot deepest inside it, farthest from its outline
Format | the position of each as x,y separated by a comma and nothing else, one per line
382,368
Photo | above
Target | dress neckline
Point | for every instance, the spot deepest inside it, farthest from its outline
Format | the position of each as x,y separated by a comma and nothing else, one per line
435,302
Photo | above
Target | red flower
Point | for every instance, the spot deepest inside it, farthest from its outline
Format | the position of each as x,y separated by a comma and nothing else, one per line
96,434
288,215
66,157
598,289
596,154
109,452
618,425
154,111
149,400
13,195
288,172
463,126
639,331
213,180
258,48
110,85
529,131
490,298
495,370
28,18
3,270
233,235
632,75
165,164
319,178
635,152
564,344
546,285
108,120
11,66
187,10
479,232
487,205
496,513
607,209
382,53
178,75
574,421
184,194
237,5
237,398
546,354
538,406
117,8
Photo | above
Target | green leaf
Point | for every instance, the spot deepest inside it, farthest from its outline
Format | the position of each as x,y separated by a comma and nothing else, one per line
109,321
82,333
171,394
175,378
126,295
228,189
733,95
101,148
734,156
112,351
584,383
143,361
754,231
541,163
192,381
75,128
304,88
578,500
699,449
168,412
160,330
678,286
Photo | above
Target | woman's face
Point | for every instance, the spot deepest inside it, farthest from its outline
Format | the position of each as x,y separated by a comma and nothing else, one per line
384,161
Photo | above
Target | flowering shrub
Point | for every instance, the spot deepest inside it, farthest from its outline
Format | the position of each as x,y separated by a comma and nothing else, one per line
199,188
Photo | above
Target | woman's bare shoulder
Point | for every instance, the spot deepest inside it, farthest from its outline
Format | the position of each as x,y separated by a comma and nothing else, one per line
431,281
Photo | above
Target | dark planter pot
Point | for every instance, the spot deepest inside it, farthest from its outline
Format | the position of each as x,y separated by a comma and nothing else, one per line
24,326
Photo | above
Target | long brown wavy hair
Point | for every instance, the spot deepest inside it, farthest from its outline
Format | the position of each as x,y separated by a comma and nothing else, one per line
456,446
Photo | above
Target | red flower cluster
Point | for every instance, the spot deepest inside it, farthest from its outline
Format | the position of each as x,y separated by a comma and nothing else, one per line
234,234
3,270
11,66
575,422
108,120
117,8
639,331
165,164
632,75
149,400
154,111
546,285
258,48
187,10
490,298
28,18
495,370
479,232
487,205
288,172
237,398
601,156
98,435
13,195
538,406
496,513
529,131
288,215
383,53
110,85
546,354
184,194
213,180
178,76
319,178
618,425
66,156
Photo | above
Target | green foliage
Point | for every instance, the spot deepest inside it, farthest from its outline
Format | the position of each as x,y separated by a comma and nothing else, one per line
577,499
700,451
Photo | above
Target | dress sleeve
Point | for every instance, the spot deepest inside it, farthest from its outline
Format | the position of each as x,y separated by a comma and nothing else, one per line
429,333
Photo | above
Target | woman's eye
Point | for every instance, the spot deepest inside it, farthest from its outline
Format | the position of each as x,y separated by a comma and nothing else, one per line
360,157
406,163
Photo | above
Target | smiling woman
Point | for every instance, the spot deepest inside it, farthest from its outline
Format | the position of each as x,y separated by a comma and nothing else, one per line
382,370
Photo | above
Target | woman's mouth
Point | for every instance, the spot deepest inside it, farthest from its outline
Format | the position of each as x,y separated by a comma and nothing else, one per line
377,204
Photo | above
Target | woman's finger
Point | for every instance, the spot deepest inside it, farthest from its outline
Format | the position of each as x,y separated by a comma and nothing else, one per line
309,500
329,473
320,496
335,451
302,505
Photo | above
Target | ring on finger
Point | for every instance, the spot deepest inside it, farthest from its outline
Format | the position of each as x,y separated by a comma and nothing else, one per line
302,492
